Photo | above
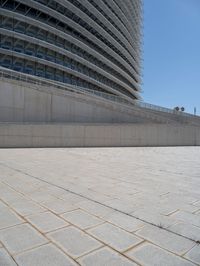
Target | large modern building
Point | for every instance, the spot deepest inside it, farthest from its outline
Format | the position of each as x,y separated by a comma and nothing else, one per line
92,44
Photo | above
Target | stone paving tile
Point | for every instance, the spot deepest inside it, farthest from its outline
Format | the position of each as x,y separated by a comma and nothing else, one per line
41,196
114,237
81,219
194,254
26,207
123,189
21,237
104,187
126,222
3,206
71,198
151,255
22,183
180,198
187,230
53,190
94,208
154,218
74,242
46,255
197,203
10,196
161,209
47,221
95,196
59,206
189,208
9,218
120,205
165,239
187,217
105,257
6,259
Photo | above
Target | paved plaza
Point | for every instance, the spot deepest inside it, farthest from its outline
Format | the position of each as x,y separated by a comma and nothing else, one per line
100,206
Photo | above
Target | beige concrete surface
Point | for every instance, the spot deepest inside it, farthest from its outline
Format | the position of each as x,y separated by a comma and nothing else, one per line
100,206
26,102
97,135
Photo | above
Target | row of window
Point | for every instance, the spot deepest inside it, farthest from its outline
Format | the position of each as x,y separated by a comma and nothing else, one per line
41,70
21,46
108,18
45,18
109,6
54,5
94,18
134,3
52,56
21,27
68,13
135,40
135,27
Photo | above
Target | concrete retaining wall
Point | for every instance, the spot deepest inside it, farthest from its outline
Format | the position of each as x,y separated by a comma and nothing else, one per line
102,135
23,102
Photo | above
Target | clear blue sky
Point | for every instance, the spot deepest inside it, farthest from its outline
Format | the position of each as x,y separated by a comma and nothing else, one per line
172,53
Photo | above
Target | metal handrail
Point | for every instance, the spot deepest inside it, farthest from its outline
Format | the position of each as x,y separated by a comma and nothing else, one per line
165,110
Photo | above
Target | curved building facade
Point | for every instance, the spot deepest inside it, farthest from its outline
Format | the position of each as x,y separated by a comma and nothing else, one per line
92,44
